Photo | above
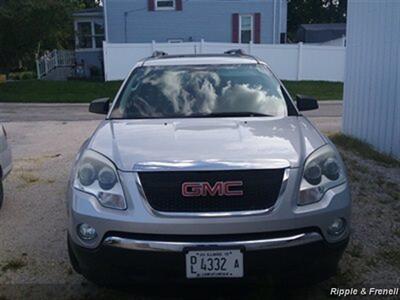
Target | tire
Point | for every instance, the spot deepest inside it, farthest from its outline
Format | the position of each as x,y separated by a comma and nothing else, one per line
98,278
72,259
312,277
1,193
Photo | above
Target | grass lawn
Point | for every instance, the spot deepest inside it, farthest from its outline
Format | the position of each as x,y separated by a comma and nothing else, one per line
85,91
363,150
322,90
56,91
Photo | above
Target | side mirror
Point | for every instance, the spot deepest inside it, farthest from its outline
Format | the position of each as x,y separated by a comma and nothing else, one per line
306,103
100,106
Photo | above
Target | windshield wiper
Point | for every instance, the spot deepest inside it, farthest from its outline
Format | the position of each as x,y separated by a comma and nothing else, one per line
200,115
229,114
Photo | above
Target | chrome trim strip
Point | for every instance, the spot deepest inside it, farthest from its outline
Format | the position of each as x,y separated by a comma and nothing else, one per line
211,214
210,165
250,245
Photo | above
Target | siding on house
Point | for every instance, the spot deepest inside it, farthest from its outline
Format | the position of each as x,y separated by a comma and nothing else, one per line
199,19
372,83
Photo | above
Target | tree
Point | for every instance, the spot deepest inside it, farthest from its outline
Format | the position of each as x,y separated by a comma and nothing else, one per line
86,3
315,11
28,27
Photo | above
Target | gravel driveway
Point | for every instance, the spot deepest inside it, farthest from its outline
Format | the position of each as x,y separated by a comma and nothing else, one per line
33,218
33,256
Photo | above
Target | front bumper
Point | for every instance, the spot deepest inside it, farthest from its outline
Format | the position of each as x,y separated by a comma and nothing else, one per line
139,218
143,257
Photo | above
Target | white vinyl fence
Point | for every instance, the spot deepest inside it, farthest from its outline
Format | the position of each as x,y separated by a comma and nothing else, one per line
288,61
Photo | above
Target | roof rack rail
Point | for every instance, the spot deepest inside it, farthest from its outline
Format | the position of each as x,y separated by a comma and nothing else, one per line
240,52
235,52
157,54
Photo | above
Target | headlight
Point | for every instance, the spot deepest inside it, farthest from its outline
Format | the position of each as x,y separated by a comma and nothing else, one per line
98,176
323,170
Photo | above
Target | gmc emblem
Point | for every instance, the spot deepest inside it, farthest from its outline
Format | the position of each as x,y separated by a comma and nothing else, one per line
204,189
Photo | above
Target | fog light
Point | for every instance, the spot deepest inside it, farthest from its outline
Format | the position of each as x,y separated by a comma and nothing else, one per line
86,232
337,227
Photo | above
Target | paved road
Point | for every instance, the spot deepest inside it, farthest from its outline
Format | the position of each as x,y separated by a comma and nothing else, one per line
327,118
28,112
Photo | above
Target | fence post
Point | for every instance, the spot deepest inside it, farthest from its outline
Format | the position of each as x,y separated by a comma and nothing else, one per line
250,46
299,60
56,58
46,66
105,60
38,69
201,46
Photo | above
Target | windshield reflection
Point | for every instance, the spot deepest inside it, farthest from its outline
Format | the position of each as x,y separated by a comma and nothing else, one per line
185,91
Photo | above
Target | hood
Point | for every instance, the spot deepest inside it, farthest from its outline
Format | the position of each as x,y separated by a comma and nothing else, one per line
129,143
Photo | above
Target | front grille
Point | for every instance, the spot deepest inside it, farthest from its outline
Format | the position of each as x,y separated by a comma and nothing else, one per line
163,190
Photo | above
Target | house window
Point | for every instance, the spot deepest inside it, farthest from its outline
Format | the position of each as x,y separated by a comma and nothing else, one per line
246,29
165,4
89,34
84,35
98,34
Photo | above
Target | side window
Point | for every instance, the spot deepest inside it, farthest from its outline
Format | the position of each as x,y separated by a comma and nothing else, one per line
89,34
84,35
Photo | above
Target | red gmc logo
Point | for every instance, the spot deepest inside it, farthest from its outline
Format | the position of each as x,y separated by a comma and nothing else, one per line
204,189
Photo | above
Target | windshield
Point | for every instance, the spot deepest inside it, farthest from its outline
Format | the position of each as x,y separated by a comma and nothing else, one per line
200,91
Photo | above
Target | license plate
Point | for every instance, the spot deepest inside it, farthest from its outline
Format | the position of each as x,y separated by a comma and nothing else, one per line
214,264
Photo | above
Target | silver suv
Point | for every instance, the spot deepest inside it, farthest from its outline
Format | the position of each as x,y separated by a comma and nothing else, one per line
205,169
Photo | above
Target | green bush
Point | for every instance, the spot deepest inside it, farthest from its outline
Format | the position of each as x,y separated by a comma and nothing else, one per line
13,76
25,75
